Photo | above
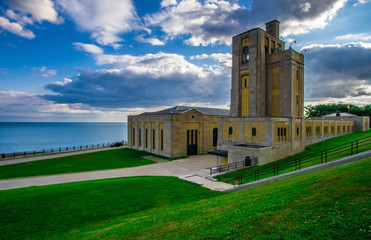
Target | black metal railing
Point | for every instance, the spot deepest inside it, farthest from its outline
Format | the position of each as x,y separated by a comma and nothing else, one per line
56,150
330,154
231,167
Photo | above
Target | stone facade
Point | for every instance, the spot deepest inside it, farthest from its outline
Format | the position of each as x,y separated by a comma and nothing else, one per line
266,119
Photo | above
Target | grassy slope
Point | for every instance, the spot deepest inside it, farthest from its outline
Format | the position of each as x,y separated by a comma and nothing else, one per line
317,147
332,203
49,211
110,159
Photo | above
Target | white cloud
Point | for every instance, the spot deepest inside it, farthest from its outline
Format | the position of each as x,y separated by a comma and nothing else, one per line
152,41
188,16
216,21
47,72
358,2
16,28
40,10
28,12
344,45
166,3
87,47
355,37
224,59
106,20
304,24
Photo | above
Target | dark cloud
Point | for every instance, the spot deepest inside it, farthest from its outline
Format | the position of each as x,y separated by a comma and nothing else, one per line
209,22
131,89
338,71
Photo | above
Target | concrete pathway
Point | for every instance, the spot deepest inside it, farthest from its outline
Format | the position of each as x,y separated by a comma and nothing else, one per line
51,156
195,165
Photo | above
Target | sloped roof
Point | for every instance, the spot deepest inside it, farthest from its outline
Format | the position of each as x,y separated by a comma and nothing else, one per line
342,114
184,109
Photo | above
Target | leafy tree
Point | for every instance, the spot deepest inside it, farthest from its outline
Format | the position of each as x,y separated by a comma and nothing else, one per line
324,109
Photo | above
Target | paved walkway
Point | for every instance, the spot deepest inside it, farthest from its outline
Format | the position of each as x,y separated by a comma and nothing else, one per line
50,156
184,168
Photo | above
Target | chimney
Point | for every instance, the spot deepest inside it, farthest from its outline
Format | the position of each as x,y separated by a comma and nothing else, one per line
273,28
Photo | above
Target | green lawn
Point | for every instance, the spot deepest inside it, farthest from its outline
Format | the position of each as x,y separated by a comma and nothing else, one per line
50,211
333,203
109,159
315,148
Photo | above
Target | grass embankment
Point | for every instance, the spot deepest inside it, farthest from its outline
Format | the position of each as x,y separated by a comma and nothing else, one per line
109,159
328,204
332,203
311,149
50,211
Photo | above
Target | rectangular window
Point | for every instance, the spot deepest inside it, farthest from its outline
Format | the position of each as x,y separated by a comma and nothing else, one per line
153,139
326,130
272,46
191,137
297,131
318,131
308,131
162,140
146,138
133,136
187,137
195,136
139,137
338,129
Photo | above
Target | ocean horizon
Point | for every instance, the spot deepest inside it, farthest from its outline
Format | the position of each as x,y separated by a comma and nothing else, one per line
39,136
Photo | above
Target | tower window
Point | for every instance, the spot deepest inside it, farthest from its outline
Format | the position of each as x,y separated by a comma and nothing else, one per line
254,132
245,59
230,130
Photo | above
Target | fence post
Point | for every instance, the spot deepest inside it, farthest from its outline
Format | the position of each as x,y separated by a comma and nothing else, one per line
325,155
351,148
357,146
321,156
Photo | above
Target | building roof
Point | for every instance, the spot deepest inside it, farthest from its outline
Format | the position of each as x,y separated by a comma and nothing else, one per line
184,109
342,114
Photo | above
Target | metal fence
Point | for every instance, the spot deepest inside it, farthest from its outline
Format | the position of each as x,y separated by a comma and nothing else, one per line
56,150
231,167
323,156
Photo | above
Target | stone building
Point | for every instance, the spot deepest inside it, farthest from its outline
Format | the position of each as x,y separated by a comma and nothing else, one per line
265,122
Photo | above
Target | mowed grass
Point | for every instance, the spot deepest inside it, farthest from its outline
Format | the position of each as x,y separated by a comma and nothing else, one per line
109,159
332,203
50,211
311,149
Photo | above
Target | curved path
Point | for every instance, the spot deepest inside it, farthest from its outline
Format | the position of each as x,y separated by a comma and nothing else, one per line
50,156
193,168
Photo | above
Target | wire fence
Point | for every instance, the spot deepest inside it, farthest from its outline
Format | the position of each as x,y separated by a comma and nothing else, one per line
60,149
330,154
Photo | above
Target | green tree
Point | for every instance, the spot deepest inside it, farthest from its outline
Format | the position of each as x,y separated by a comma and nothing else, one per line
324,109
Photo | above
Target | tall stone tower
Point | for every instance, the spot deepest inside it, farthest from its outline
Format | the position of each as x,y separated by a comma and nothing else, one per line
267,80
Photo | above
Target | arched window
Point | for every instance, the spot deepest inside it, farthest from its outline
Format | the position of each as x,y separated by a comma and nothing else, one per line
230,130
245,59
254,132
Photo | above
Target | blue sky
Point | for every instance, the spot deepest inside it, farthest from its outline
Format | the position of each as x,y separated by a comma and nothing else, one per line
101,60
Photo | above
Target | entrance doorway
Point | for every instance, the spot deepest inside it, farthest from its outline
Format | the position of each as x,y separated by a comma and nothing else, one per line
192,142
215,137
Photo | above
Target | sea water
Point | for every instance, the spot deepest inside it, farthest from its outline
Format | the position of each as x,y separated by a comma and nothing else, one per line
31,136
